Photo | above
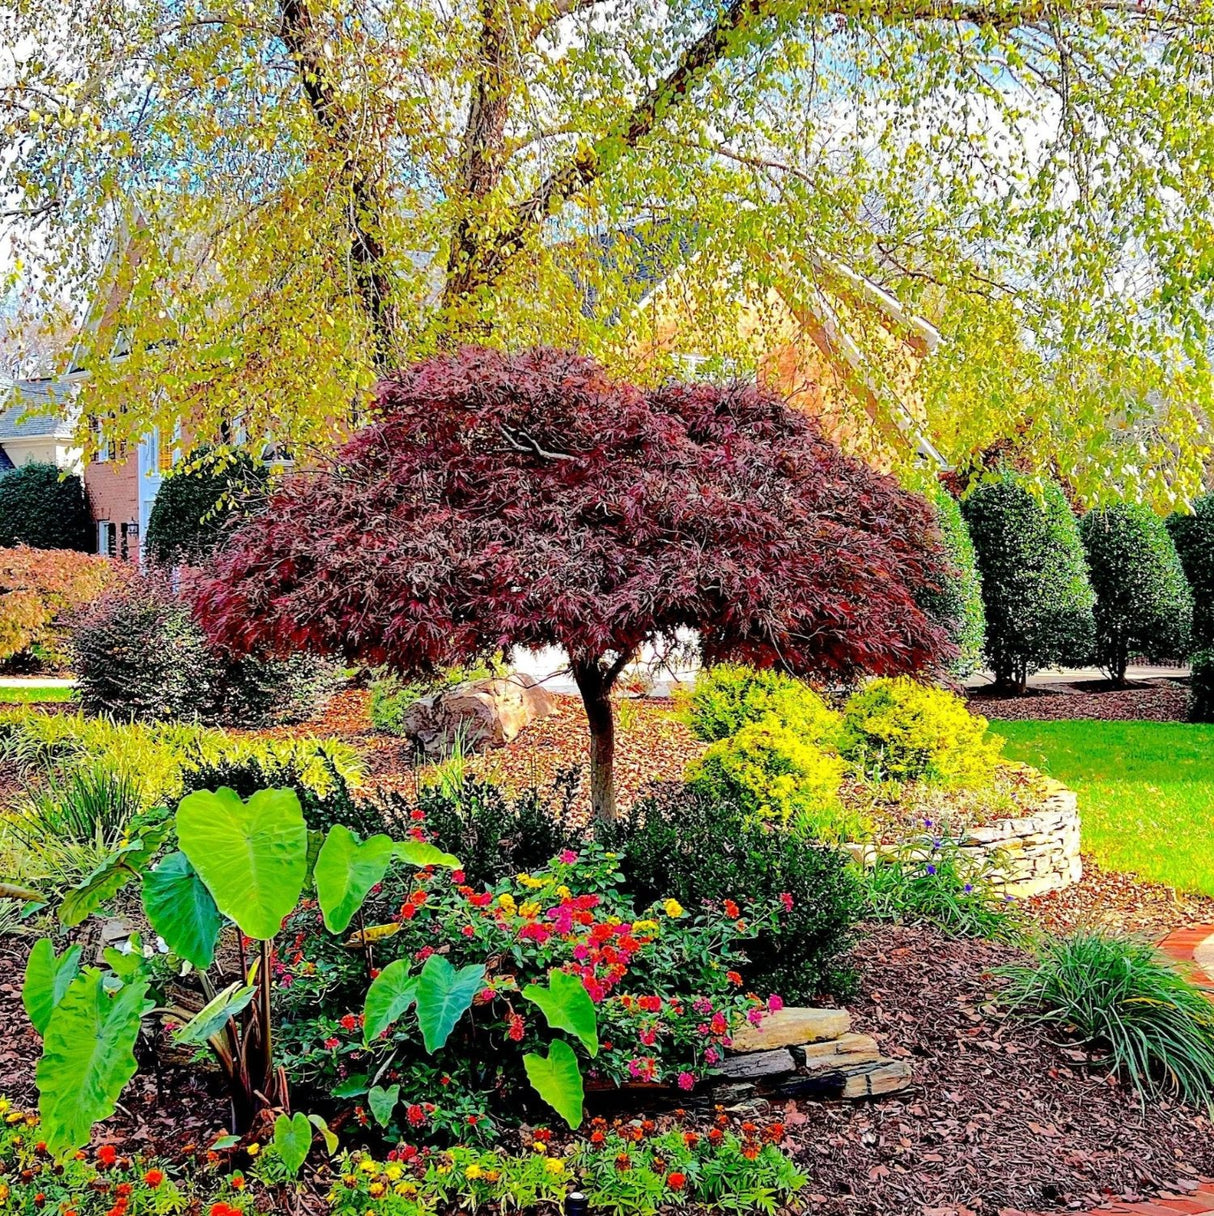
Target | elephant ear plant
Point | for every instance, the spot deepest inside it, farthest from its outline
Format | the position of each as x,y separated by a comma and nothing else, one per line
241,863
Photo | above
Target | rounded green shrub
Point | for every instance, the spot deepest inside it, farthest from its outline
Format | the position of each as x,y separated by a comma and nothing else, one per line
1201,687
778,776
899,730
1193,535
1035,588
728,696
194,503
43,508
957,605
1143,602
693,846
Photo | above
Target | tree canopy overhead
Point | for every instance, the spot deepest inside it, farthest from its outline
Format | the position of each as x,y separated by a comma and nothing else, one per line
530,500
317,190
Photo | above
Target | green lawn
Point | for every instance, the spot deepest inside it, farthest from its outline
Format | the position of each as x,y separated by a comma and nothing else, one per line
34,695
1146,791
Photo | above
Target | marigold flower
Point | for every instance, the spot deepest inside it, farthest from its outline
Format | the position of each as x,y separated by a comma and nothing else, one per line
676,1181
107,1154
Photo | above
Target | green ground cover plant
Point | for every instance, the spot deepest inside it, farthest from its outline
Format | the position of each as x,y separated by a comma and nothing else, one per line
36,695
1145,790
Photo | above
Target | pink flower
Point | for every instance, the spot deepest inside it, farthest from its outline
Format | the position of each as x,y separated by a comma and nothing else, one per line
786,900
567,858
755,1017
331,1043
649,1036
468,931
536,933
562,918
686,1081
775,1003
702,1005
712,1055
581,952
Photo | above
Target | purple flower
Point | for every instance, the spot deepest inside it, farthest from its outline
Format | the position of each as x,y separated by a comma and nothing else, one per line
931,869
969,886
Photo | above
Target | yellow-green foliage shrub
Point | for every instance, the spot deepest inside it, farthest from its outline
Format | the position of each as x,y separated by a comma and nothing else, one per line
776,774
900,730
729,696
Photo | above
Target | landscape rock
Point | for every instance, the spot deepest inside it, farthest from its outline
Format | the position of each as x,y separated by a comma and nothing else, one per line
757,1064
792,1026
479,713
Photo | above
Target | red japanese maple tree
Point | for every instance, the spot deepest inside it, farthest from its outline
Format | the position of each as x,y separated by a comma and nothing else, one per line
528,500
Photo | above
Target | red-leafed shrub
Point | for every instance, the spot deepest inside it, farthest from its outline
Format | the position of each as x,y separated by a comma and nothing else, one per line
501,500
38,586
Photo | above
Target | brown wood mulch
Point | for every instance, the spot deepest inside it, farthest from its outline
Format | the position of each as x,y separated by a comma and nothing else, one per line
1002,1118
1160,699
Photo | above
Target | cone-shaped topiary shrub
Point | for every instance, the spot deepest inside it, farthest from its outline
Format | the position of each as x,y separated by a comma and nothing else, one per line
1201,687
1193,535
1143,602
957,605
1035,588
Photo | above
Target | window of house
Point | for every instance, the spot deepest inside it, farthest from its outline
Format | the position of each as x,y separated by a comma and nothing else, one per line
107,539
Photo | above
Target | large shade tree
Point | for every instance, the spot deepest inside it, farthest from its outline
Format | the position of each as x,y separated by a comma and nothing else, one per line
529,500
318,190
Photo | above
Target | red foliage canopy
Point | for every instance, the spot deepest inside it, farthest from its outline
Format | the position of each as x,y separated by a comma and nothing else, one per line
501,500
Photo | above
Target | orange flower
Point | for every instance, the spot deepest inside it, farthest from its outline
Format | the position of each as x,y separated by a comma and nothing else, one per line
154,1178
107,1154
691,1139
676,1181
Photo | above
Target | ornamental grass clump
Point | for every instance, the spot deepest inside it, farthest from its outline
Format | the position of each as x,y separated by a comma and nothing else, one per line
938,883
1121,997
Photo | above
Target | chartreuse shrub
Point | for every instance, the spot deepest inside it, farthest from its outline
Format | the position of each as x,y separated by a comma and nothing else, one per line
1035,588
736,1164
689,845
1143,602
1120,997
1201,687
1193,534
901,730
43,507
779,777
936,882
729,696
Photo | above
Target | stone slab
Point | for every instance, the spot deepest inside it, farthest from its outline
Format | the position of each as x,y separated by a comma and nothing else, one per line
792,1026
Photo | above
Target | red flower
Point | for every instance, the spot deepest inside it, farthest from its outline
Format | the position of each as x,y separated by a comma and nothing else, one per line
483,900
407,911
331,1043
154,1178
123,1190
107,1154
542,1134
597,1137
786,900
458,877
515,1032
349,1022
676,1181
415,1115
691,1139
732,910
734,978
716,1135
651,1004
417,816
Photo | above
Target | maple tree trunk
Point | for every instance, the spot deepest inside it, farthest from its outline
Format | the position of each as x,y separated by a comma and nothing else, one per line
596,697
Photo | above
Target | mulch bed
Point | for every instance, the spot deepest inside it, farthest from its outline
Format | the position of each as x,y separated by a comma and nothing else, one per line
1161,699
1001,1117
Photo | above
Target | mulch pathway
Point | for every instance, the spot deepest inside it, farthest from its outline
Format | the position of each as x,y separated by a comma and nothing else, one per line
1003,1119
1160,699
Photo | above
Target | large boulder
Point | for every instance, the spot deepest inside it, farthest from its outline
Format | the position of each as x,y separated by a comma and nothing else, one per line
478,713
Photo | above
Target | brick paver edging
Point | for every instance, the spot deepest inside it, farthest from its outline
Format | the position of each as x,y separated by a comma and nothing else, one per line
1182,946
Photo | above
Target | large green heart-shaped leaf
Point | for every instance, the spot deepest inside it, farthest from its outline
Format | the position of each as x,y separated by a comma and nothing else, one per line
419,853
181,910
566,1005
47,978
212,1017
391,992
383,1102
87,1058
252,855
558,1080
293,1140
346,871
444,995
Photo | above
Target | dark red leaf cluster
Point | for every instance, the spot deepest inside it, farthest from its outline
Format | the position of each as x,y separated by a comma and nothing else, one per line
500,500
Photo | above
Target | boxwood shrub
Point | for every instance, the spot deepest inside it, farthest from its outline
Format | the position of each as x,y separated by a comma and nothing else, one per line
958,603
1143,602
729,696
1035,588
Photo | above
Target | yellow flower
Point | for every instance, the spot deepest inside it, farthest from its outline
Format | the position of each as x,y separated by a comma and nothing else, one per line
564,892
506,902
540,1147
376,1189
673,908
442,1169
393,1173
473,1171
3,1105
555,1165
405,1188
367,1166
492,1175
13,1116
3,1193
529,909
644,926
254,1149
